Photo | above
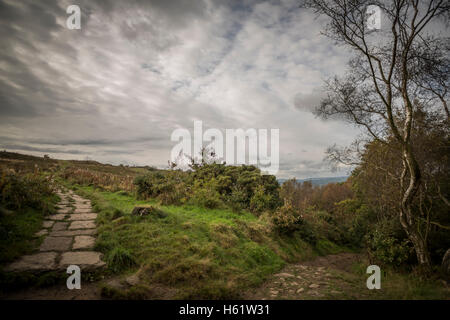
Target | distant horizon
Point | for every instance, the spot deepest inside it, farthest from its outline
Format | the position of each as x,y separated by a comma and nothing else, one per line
40,155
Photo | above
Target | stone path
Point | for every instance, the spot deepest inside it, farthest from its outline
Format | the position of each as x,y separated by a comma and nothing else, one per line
69,238
328,277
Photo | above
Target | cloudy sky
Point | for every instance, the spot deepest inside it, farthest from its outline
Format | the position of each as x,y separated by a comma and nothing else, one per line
116,89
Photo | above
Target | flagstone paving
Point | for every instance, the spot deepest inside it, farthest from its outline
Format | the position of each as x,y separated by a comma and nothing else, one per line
69,238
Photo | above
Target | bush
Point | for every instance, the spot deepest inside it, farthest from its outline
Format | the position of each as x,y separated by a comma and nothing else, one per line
387,244
20,191
260,200
206,198
307,232
286,219
212,186
149,185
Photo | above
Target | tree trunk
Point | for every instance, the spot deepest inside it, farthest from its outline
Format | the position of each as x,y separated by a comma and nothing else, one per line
407,218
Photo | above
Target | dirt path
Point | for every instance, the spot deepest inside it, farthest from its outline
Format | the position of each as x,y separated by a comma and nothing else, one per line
69,238
328,277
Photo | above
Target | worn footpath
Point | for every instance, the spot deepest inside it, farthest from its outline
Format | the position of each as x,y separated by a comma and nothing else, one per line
69,238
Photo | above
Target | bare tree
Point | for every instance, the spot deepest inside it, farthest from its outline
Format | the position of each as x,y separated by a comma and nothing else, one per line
392,70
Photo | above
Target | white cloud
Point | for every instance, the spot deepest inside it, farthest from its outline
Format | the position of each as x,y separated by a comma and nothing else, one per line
138,71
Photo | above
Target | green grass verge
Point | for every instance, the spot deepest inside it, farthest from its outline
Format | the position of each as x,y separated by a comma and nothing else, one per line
203,253
17,229
395,285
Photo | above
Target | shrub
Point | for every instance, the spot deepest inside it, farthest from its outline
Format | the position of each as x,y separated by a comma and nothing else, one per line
211,186
29,190
388,244
307,232
206,198
104,180
260,201
286,218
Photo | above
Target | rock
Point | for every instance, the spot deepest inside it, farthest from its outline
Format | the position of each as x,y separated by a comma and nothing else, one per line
57,216
56,244
446,262
83,242
71,233
47,224
334,292
41,233
144,211
132,280
300,290
85,224
273,292
284,275
82,210
314,286
34,262
83,259
59,226
65,210
83,205
82,216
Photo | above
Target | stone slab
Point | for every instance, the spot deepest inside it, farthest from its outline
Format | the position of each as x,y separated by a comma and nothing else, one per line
85,224
43,232
47,223
83,242
83,216
71,233
83,206
83,259
34,262
56,244
77,210
59,226
59,216
65,210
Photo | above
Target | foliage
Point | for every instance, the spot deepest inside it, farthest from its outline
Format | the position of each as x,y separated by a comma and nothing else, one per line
18,191
204,253
211,186
377,184
287,218
387,244
105,180
24,201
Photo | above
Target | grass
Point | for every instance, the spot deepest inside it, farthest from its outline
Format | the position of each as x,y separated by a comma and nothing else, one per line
185,251
17,231
395,285
203,253
325,246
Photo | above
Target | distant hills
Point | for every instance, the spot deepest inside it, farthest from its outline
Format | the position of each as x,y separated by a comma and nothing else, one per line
319,181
